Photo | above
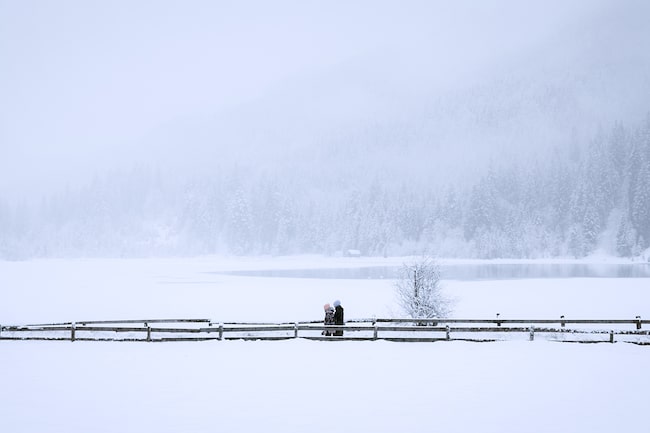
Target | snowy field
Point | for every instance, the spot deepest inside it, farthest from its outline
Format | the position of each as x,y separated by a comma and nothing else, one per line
305,386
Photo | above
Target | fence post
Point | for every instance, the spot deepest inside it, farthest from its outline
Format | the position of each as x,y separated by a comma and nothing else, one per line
562,321
447,332
220,331
375,332
611,336
638,322
0,330
498,323
532,333
72,329
148,332
295,330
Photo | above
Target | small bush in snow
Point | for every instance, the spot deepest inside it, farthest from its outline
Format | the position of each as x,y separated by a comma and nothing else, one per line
418,290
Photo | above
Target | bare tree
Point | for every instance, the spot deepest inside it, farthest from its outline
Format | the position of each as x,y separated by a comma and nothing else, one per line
418,289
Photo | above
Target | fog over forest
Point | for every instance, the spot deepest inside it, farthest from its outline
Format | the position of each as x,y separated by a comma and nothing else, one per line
462,129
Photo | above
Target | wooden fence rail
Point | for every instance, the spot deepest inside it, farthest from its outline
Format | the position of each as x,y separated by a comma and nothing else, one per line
569,330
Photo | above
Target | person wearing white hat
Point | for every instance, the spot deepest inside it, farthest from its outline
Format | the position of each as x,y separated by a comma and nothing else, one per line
338,317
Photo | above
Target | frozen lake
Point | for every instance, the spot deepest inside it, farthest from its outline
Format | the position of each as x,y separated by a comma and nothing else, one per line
256,289
469,271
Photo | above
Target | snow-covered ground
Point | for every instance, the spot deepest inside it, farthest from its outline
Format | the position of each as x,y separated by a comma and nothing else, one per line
297,385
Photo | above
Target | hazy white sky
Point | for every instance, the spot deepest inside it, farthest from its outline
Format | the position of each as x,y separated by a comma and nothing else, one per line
89,85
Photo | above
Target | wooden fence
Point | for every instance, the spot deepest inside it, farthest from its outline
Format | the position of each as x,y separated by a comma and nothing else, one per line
406,330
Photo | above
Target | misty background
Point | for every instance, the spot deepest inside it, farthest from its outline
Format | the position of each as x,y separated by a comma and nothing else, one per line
464,129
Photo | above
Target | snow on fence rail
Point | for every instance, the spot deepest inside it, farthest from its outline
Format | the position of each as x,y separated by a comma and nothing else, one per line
422,330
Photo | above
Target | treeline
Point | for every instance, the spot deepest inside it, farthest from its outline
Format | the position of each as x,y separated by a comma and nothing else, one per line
598,197
570,203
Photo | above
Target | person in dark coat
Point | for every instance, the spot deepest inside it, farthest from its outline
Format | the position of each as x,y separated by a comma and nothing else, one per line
329,318
338,317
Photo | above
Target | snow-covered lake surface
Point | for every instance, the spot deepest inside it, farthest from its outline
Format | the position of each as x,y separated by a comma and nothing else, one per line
299,386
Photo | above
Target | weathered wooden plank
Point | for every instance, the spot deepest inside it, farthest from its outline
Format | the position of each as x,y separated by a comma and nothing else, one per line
303,322
85,329
520,321
415,329
345,336
4,337
103,322
177,330
31,329
255,338
350,328
251,328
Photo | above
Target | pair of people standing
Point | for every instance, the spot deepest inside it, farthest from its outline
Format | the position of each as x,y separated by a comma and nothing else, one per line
334,316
